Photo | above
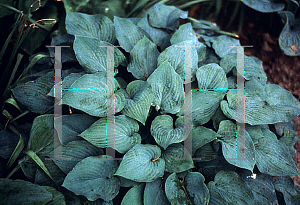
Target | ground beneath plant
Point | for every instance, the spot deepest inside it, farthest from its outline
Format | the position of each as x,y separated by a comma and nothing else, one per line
262,32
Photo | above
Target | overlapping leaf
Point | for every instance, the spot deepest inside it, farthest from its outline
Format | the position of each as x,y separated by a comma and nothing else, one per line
134,195
265,6
286,186
93,178
91,53
138,101
154,193
224,45
201,136
142,163
125,133
168,89
196,188
164,133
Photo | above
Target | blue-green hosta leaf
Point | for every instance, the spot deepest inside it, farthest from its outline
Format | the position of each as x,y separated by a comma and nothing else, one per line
58,198
33,94
91,54
92,97
281,127
252,69
218,117
23,192
134,195
262,187
67,82
201,136
224,45
138,101
127,182
229,187
176,55
175,193
289,39
93,26
240,153
185,32
162,16
143,59
264,104
272,156
74,152
212,76
164,133
289,139
125,130
204,27
123,28
265,6
159,36
168,89
204,105
286,186
174,158
154,193
142,163
93,178
196,188
205,153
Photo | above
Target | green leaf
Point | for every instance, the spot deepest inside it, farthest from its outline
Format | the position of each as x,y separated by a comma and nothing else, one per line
143,59
272,156
33,94
159,36
142,163
168,89
91,54
262,187
134,195
58,198
175,158
127,182
265,6
154,193
86,100
230,188
202,136
224,45
286,186
138,101
22,192
264,104
289,39
205,153
93,26
212,76
73,152
125,131
123,27
175,55
290,138
196,188
73,5
93,178
162,16
175,192
164,133
238,152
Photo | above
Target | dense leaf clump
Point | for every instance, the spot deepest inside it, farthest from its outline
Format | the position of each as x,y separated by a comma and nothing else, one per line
158,159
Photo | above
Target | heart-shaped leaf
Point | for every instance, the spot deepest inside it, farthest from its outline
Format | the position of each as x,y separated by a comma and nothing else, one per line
89,94
196,188
143,59
164,133
154,193
265,6
93,26
91,54
238,152
142,163
264,104
174,158
134,195
272,156
93,178
123,28
229,188
163,16
168,89
224,45
138,101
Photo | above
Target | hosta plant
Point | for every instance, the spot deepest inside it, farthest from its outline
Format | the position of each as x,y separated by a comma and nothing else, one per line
153,62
